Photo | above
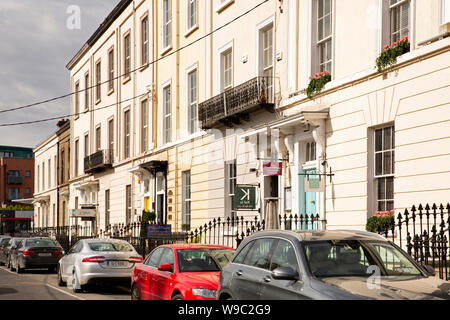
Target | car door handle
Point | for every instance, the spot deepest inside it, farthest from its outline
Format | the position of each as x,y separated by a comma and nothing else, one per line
267,279
239,273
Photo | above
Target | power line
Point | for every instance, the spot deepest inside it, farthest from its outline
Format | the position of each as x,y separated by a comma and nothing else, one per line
70,115
132,71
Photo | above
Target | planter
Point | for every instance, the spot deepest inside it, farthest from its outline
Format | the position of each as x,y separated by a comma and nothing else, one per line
317,83
390,54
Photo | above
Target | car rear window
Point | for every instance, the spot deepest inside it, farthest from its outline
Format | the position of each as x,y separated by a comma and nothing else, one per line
110,246
40,243
5,241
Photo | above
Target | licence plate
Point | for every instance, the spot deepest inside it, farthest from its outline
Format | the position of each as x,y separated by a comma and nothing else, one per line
117,264
45,254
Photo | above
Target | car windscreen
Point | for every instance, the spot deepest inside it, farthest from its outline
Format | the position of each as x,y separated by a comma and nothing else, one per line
110,246
5,241
40,243
203,260
345,258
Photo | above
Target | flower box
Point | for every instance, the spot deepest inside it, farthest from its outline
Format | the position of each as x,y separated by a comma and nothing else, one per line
317,82
390,54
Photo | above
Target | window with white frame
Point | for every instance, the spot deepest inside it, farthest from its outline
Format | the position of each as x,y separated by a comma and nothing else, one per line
384,168
167,23
49,173
86,91
227,69
192,101
230,184
167,114
192,14
127,55
98,80
445,11
310,151
186,209
145,41
76,156
266,47
77,98
399,13
144,125
98,138
127,134
111,69
86,145
324,35
111,137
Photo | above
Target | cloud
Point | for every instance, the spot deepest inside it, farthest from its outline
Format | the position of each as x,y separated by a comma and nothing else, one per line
36,46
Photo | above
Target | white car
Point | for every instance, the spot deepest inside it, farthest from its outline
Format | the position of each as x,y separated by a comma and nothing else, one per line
97,261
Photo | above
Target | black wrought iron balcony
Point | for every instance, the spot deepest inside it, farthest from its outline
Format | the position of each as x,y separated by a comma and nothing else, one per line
101,160
235,104
15,180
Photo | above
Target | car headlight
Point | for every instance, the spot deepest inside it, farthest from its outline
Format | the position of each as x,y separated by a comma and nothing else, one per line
207,293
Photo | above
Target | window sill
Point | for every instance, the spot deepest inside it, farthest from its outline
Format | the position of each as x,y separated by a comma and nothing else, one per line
98,101
126,80
191,30
165,50
110,92
144,66
224,5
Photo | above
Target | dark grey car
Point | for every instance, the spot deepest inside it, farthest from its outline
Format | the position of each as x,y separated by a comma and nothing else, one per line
336,265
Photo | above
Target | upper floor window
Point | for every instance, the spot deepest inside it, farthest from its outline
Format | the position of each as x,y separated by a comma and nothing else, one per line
227,69
98,139
266,59
192,101
399,12
167,116
445,11
145,41
77,98
98,79
127,55
192,14
144,126
167,23
77,154
86,91
127,134
86,145
324,35
311,151
111,69
111,137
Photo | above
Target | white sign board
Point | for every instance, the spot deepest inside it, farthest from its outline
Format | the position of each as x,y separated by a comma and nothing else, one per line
84,213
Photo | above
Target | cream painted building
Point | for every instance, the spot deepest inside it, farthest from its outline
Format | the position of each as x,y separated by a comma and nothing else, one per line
211,96
45,189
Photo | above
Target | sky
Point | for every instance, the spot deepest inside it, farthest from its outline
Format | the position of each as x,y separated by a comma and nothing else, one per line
37,40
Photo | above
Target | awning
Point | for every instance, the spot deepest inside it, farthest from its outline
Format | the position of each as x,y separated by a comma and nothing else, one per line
24,201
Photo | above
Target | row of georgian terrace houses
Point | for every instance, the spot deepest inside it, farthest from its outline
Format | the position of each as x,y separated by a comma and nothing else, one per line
165,123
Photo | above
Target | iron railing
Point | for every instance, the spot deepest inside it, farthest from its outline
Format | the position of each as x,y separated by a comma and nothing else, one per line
237,101
423,232
102,159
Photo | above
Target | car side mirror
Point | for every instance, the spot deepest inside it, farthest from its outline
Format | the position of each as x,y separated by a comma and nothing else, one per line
165,267
285,273
430,270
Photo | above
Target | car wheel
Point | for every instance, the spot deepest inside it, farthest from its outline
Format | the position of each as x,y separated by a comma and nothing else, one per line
177,297
75,282
61,283
135,294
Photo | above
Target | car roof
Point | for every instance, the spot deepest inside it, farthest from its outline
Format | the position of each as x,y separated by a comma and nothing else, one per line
318,235
195,246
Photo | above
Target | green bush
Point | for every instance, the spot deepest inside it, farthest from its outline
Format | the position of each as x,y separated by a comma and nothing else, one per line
379,224
147,218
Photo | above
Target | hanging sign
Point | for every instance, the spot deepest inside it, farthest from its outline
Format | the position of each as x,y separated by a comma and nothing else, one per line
272,168
244,197
314,185
84,213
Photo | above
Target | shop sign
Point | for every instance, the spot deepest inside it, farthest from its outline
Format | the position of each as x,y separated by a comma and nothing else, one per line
84,213
244,197
159,230
314,185
272,168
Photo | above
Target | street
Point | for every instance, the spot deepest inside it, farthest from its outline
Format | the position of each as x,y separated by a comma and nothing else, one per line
41,285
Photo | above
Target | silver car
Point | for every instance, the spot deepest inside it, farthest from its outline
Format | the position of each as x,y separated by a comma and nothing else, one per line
97,261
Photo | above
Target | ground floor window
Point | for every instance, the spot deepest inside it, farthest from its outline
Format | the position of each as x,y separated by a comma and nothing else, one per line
384,151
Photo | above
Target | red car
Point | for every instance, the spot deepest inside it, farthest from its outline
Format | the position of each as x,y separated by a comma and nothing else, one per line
180,272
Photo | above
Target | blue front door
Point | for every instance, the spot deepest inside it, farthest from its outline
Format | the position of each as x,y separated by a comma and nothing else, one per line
308,202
